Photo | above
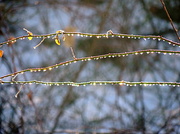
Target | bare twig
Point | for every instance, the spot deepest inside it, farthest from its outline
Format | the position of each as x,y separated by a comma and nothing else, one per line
167,13
73,53
19,91
99,57
80,34
94,83
40,43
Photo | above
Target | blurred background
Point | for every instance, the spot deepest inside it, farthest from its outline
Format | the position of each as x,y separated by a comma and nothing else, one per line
103,109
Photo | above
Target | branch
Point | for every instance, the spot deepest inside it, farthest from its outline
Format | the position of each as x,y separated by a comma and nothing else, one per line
94,83
106,35
167,13
99,57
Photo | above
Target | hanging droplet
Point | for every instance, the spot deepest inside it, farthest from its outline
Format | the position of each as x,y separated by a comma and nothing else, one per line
50,68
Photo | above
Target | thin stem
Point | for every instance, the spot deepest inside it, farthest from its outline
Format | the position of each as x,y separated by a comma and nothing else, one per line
40,43
73,53
94,83
167,13
99,57
153,37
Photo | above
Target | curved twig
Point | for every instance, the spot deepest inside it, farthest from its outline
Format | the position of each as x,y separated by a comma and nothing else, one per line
110,55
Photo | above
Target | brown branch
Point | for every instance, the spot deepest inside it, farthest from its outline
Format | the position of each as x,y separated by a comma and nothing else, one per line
167,13
98,57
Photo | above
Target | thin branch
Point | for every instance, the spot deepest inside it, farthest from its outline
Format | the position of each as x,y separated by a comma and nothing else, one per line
99,57
40,43
167,13
19,91
145,37
73,53
94,83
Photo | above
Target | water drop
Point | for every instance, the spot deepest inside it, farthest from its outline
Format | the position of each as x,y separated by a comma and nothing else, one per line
50,68
121,84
